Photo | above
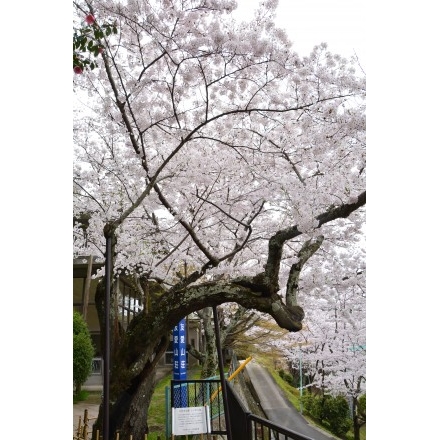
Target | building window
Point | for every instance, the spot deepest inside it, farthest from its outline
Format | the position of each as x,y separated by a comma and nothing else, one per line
96,366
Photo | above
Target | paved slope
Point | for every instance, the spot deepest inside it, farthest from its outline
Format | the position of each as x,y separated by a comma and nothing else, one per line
276,406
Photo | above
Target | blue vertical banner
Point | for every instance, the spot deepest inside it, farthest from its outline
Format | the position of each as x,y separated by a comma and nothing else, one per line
179,359
179,350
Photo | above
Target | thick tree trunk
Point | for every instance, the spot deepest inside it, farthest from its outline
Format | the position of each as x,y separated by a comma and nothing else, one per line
130,396
358,420
356,429
129,413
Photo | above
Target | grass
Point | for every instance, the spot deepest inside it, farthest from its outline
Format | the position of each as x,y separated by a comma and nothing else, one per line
81,396
157,410
90,397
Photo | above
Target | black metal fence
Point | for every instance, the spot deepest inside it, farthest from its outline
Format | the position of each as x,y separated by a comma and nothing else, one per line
201,393
244,425
262,429
248,426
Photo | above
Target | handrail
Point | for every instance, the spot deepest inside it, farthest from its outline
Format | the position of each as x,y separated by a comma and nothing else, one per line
243,365
292,435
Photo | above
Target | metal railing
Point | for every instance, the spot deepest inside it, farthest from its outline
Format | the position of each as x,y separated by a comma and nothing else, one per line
263,429
185,393
244,425
248,426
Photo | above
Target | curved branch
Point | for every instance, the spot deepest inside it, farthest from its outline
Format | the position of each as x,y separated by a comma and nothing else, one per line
251,296
277,241
306,252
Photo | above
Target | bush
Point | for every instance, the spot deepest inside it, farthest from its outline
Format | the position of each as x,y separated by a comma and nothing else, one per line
287,377
336,413
83,352
312,404
331,411
362,406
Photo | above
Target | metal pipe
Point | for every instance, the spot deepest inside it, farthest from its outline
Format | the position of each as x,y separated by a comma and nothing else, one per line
300,382
222,375
106,385
214,395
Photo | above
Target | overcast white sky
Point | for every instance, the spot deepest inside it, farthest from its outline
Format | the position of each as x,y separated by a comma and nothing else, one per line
339,23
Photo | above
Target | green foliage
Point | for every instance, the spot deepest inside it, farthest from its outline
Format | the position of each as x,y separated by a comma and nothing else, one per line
362,406
79,325
157,408
83,351
312,404
287,377
336,414
87,42
331,411
81,396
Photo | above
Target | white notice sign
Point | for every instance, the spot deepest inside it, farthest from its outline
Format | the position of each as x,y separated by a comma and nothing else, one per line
191,420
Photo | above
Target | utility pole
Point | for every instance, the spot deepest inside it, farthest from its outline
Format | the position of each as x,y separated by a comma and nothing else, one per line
300,381
222,375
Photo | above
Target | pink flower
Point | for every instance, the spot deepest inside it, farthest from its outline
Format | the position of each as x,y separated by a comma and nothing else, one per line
90,19
78,69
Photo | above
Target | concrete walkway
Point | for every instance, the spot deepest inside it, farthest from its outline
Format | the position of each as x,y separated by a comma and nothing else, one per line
276,406
78,411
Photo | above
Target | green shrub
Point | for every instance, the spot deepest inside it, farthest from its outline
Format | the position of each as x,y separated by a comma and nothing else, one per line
362,406
289,379
83,352
331,411
312,404
336,413
81,396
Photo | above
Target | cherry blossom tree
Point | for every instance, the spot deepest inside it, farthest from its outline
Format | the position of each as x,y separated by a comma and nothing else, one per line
203,141
332,344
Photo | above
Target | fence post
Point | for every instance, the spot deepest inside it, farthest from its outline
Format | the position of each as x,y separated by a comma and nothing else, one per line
78,431
86,424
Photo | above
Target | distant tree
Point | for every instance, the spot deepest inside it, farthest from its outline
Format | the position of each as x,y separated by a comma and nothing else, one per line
332,347
83,351
208,355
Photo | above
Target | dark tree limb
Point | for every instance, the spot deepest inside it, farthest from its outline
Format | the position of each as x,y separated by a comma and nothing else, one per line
307,251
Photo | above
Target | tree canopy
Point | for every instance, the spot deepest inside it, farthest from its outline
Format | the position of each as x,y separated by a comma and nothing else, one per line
204,141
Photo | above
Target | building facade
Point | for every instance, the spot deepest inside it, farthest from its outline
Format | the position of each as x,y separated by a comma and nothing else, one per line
84,289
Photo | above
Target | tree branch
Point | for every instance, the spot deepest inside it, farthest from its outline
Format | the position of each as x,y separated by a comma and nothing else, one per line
276,242
306,252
